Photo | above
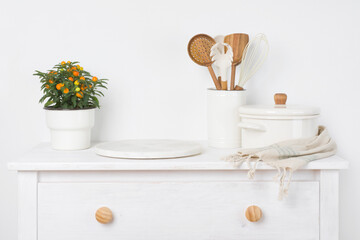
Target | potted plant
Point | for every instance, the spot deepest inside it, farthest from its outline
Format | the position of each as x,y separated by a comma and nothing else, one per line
70,96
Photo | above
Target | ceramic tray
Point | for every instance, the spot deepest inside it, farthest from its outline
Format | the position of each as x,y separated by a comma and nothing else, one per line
148,149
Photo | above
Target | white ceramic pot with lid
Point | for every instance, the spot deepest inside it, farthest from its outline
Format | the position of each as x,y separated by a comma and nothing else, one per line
265,125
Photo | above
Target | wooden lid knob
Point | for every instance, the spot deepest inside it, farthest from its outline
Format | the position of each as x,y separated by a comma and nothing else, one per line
104,215
253,213
280,98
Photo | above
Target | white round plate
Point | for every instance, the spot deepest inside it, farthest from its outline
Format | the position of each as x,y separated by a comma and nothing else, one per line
148,149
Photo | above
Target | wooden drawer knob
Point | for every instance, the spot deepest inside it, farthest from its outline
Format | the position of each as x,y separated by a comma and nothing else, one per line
104,215
280,98
253,213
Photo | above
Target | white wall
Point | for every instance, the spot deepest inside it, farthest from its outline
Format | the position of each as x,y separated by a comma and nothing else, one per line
155,89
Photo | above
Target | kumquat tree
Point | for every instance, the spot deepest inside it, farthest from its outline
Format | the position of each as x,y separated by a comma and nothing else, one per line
69,86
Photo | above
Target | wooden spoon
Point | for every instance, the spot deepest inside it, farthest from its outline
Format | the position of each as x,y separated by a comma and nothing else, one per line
238,42
199,48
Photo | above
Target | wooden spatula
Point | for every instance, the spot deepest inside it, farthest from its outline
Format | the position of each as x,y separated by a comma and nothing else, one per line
199,48
238,42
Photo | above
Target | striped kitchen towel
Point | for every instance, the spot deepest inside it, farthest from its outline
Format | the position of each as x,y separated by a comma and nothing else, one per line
287,156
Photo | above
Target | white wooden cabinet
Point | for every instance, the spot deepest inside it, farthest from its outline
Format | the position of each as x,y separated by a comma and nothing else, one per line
194,198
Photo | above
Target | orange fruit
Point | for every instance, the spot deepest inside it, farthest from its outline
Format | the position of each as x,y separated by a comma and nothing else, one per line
47,86
63,62
82,78
94,79
90,86
51,81
59,86
79,95
78,66
73,68
55,72
66,90
71,79
76,73
68,62
76,82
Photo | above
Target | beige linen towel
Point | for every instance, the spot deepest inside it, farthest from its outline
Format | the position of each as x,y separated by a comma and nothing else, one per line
287,156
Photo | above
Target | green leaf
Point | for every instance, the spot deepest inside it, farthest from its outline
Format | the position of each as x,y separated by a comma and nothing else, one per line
80,105
99,93
86,99
96,101
73,100
65,106
48,103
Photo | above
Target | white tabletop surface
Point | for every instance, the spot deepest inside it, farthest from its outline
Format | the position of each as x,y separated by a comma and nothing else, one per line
43,158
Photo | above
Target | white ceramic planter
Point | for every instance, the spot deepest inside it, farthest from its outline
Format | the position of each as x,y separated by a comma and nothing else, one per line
223,118
265,125
70,129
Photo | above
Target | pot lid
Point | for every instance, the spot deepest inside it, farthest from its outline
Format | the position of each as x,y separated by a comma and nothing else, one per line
279,109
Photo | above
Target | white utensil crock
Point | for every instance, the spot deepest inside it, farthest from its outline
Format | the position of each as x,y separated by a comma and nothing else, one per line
265,125
70,129
223,118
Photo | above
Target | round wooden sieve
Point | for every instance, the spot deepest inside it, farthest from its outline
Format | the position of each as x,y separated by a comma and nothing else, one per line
199,48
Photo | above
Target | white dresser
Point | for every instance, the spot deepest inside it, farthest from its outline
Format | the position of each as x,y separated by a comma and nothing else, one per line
193,198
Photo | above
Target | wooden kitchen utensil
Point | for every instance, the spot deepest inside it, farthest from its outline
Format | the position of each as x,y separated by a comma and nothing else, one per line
238,42
253,57
199,48
222,83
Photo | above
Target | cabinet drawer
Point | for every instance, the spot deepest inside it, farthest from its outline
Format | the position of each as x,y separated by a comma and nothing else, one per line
177,211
